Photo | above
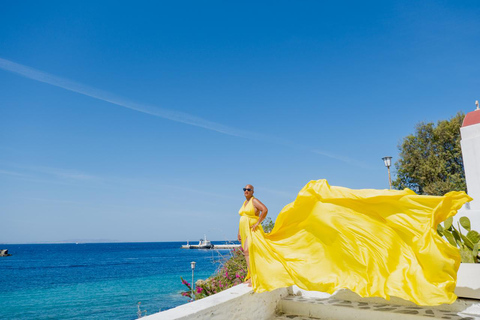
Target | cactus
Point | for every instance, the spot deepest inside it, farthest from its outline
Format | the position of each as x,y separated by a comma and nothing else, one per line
467,244
465,222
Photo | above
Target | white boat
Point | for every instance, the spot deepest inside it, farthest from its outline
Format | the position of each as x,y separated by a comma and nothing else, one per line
206,244
202,244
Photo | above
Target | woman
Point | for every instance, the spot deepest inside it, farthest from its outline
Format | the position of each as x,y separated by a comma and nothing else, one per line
374,242
252,213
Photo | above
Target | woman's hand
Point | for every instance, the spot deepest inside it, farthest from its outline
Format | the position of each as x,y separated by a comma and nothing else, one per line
239,238
254,227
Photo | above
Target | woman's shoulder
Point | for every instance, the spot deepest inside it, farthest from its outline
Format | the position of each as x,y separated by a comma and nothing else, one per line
256,201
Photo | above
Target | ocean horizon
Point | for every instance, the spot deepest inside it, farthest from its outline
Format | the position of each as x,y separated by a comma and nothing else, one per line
99,280
99,241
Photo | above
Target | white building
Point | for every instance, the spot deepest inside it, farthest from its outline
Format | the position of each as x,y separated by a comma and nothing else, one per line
470,143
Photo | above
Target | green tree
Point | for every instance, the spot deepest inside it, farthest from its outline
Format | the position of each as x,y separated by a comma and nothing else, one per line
431,158
267,225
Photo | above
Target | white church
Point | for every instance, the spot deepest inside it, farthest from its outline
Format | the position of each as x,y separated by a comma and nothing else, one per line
470,143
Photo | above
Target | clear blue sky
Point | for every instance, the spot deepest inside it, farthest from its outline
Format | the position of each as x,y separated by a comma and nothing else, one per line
142,121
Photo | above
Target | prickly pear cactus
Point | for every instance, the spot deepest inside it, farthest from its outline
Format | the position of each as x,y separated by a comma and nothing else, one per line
474,236
465,222
468,244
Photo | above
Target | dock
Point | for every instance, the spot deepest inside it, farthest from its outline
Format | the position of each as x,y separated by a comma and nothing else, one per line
213,246
226,246
207,244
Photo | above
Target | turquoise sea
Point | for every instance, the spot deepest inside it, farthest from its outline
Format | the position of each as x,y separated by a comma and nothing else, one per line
98,280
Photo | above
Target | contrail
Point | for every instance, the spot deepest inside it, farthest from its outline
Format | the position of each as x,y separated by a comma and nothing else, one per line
53,80
172,115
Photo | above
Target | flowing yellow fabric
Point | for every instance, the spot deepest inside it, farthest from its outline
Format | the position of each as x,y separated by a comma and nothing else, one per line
377,243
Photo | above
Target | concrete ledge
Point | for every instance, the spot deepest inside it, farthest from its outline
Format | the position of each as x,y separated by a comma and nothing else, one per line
238,302
468,280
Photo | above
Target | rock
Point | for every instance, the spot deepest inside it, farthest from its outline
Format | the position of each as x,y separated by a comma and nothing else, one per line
4,253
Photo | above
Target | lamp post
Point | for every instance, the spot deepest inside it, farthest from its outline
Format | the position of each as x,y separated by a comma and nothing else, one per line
192,264
388,163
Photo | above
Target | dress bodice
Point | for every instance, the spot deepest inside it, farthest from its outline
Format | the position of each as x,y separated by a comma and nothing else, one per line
247,209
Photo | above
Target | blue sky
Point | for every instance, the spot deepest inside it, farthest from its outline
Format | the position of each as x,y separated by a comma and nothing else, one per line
142,121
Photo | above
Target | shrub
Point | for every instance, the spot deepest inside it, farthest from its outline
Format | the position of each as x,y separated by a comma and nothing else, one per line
232,272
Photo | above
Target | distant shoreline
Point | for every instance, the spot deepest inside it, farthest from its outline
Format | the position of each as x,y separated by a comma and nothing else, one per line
104,242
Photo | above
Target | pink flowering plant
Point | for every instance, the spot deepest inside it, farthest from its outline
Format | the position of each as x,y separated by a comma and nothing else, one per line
189,292
230,273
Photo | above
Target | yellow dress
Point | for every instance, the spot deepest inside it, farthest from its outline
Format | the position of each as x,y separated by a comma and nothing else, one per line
377,243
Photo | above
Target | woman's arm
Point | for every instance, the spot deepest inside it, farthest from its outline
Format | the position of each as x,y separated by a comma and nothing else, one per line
263,212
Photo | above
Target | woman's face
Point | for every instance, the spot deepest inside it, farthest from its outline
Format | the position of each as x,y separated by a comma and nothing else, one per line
248,190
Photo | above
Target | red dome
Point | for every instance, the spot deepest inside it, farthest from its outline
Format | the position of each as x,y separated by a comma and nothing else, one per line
471,118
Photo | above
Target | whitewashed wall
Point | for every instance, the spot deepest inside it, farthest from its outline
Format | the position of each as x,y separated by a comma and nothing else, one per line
238,302
471,161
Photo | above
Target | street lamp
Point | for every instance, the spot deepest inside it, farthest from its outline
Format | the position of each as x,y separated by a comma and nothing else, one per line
192,265
388,163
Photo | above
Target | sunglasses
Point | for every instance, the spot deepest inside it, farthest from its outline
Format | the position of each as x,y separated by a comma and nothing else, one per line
247,189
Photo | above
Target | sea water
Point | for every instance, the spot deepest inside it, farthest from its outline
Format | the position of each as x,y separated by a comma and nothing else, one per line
98,280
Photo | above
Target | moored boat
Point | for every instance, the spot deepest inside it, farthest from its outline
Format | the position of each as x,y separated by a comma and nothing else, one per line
207,244
202,244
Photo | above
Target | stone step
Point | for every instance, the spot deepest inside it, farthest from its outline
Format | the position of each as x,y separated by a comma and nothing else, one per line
298,307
